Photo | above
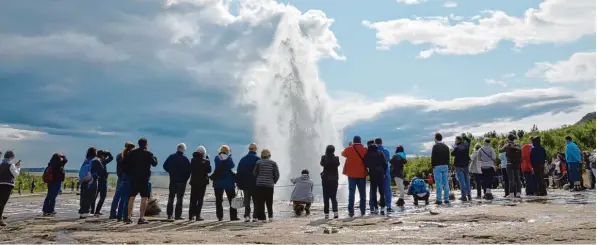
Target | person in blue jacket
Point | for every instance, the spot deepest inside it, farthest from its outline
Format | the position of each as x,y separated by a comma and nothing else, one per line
101,172
223,181
418,189
246,181
387,187
178,167
121,195
573,158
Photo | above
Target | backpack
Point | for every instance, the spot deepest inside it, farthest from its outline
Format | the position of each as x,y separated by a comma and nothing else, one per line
48,175
85,171
514,154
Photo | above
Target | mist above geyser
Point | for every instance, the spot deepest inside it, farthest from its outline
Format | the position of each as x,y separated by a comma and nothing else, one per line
291,107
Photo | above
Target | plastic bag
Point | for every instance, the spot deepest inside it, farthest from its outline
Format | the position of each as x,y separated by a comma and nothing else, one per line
238,202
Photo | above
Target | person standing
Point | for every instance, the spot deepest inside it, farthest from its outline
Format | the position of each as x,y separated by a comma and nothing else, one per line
101,176
504,171
514,158
375,161
137,166
461,166
387,187
223,181
440,158
587,162
475,169
329,180
246,180
123,187
266,174
56,168
486,159
573,158
178,167
355,170
8,174
538,159
88,184
32,188
397,170
527,169
200,169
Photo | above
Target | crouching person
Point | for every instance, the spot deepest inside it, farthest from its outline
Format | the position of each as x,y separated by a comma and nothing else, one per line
302,195
418,189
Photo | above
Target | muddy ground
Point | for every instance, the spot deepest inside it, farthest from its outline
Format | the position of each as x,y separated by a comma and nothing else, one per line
563,217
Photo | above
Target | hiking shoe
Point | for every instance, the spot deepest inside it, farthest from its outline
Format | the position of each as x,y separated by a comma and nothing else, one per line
327,216
307,212
438,202
381,212
400,202
446,202
375,211
179,218
98,214
234,219
118,219
336,215
142,222
462,199
488,196
128,221
2,223
299,210
199,218
247,219
350,215
170,218
469,197
82,217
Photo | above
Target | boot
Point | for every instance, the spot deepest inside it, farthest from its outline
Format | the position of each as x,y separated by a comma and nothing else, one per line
298,210
400,202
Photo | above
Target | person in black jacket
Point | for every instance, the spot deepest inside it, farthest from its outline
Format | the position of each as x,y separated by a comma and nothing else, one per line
538,158
329,180
397,172
461,162
137,165
178,167
375,161
200,169
56,165
99,167
440,158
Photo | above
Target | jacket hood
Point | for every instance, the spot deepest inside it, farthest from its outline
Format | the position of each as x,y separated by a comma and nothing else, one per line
329,150
223,156
372,148
401,154
537,141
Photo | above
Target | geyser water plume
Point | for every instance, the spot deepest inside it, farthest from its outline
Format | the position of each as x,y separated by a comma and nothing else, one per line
291,107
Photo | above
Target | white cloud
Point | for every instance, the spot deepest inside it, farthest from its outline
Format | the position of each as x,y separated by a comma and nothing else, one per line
554,21
579,67
8,133
498,82
411,2
450,4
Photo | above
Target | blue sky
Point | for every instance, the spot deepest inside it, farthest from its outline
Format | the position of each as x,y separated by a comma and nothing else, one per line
82,73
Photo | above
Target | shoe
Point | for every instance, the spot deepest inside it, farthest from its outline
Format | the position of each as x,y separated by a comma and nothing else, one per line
511,195
446,202
98,214
336,215
350,215
478,197
112,217
199,218
327,216
128,221
469,197
299,210
438,202
179,218
389,211
170,218
255,220
416,203
381,212
263,221
191,218
488,196
142,222
426,202
374,211
2,223
400,202
234,219
307,212
82,217
220,219
271,219
247,219
462,199
118,219
47,215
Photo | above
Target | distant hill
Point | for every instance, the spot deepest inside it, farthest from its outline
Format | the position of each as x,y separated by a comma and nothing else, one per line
589,116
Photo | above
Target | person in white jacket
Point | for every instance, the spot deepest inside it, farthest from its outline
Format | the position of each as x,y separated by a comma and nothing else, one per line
8,174
475,169
486,159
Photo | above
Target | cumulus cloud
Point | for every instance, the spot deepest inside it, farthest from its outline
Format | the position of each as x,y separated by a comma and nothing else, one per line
553,21
411,2
579,67
8,133
450,4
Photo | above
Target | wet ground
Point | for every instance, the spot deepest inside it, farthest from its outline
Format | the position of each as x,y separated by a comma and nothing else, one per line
562,217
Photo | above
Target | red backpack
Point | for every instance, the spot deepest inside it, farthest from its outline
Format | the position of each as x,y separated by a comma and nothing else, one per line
48,176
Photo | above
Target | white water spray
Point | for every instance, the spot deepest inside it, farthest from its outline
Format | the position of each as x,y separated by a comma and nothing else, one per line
291,106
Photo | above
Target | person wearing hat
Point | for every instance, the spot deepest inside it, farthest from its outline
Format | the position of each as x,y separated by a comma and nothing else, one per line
266,175
355,170
302,195
246,182
8,174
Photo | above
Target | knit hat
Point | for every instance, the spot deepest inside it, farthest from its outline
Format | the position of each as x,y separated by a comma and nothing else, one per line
356,140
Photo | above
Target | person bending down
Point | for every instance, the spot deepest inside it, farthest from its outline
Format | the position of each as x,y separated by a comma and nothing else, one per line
302,195
418,189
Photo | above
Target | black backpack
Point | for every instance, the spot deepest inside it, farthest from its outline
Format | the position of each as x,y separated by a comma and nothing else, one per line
514,154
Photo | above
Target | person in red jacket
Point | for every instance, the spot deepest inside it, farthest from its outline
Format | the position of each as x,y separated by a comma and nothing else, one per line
527,169
430,181
355,170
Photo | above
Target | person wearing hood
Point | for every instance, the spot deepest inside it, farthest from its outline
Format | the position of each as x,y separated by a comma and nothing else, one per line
573,159
123,186
418,189
302,195
246,181
99,167
9,172
329,180
486,159
475,169
440,158
223,181
461,165
387,187
200,169
527,169
397,170
266,174
178,166
375,161
514,158
56,166
355,170
538,159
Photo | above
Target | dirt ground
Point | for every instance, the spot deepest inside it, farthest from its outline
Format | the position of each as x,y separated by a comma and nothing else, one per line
561,218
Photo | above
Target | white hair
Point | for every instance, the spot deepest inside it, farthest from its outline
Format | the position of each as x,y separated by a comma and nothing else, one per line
181,147
201,150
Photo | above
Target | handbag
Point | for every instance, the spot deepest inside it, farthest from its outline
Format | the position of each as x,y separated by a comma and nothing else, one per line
238,201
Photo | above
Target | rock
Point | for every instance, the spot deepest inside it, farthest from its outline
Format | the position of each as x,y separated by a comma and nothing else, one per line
452,197
567,187
153,208
330,230
399,222
433,212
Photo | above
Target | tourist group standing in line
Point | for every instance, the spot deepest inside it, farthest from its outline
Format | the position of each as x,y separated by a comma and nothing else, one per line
257,174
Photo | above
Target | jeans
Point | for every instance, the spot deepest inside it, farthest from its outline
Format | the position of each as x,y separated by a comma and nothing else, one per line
230,193
479,184
487,178
197,195
531,188
121,199
330,189
514,184
249,195
440,174
539,171
574,173
5,191
505,182
374,186
102,190
464,179
265,198
50,201
387,187
400,184
175,190
353,184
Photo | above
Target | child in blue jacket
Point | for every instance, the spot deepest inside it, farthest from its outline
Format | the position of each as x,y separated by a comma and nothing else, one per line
418,189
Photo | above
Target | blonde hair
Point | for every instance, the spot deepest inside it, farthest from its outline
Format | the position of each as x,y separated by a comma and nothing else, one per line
225,149
265,154
201,150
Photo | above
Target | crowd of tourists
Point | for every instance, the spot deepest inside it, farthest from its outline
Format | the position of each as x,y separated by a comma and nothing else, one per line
256,175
